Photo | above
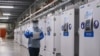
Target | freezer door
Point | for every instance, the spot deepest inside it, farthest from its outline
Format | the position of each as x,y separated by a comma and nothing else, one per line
67,33
57,38
49,35
42,26
89,40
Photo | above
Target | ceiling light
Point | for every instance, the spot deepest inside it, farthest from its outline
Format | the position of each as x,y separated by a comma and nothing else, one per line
6,14
4,17
6,6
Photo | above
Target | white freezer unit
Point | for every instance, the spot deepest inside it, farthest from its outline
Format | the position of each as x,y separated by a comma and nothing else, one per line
19,35
52,35
69,32
49,35
42,26
24,39
15,35
89,29
57,33
23,30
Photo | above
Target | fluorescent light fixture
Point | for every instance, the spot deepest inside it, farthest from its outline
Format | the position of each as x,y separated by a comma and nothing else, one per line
6,14
4,17
6,6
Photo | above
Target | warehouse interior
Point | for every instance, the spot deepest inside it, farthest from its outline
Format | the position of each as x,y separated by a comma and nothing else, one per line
69,27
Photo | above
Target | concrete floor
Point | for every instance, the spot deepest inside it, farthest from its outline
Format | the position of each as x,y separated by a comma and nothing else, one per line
10,48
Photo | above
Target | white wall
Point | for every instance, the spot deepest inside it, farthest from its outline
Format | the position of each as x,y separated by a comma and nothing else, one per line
3,25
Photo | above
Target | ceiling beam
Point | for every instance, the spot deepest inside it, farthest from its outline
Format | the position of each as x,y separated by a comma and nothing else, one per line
14,1
6,21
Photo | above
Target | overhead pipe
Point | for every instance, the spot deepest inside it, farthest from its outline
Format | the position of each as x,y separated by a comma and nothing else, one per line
50,4
52,9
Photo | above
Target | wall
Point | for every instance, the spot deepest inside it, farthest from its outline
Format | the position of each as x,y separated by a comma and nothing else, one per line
3,30
3,33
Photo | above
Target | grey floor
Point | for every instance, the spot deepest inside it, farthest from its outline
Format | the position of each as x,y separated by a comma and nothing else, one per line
10,48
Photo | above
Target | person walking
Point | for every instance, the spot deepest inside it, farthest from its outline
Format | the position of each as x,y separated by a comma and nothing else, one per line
34,41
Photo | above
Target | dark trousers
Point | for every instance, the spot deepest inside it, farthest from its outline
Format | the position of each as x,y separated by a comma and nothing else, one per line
34,51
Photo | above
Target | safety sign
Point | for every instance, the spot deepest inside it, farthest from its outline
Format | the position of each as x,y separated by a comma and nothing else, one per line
96,24
65,29
89,34
82,25
88,24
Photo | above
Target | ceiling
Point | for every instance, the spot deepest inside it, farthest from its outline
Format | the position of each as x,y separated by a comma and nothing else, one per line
19,7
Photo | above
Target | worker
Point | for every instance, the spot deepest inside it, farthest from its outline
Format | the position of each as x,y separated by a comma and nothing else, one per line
34,40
